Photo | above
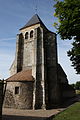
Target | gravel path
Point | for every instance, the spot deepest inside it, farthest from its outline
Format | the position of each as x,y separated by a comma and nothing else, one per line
15,114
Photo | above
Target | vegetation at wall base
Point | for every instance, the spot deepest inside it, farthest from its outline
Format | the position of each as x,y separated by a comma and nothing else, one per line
71,113
76,86
77,92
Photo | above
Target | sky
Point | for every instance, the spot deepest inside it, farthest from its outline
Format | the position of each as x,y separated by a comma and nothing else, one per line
14,14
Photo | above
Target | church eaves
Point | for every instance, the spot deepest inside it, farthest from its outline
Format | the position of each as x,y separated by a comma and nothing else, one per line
21,76
34,20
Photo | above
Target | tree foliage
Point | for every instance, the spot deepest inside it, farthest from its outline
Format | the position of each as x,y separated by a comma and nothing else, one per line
68,13
76,85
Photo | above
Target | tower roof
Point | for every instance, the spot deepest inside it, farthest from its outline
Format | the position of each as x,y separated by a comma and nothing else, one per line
34,20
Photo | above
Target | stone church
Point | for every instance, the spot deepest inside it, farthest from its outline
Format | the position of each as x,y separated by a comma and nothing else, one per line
36,79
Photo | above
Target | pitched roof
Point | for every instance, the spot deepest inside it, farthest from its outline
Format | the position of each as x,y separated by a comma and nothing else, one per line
21,76
34,20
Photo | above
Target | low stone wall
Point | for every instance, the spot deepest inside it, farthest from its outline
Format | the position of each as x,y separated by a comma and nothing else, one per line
22,100
68,91
1,97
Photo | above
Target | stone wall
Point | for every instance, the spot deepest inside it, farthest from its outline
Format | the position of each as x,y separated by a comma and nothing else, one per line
62,77
51,69
20,52
67,91
38,53
24,50
39,70
27,56
22,100
1,97
13,68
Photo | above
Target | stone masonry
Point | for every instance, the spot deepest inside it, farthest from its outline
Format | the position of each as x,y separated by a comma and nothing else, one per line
36,50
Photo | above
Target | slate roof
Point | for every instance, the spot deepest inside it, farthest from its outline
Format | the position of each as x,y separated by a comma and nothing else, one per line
34,20
21,76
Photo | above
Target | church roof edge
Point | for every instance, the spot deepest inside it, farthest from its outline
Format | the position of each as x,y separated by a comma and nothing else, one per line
34,20
25,75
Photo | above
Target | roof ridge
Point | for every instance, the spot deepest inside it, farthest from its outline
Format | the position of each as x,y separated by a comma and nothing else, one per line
34,20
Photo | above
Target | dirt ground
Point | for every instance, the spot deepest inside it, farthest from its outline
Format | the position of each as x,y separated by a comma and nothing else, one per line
15,114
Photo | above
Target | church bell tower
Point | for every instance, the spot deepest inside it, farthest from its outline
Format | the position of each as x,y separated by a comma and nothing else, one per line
37,50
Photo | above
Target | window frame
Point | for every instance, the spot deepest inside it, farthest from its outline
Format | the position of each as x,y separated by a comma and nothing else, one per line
31,34
17,90
26,35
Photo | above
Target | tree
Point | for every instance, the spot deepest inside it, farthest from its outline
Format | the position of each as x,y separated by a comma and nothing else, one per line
74,54
68,27
73,85
77,85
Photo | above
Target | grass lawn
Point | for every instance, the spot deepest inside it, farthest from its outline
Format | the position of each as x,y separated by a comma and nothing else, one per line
77,92
71,113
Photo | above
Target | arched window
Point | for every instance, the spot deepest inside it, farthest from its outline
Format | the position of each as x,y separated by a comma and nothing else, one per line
31,34
26,35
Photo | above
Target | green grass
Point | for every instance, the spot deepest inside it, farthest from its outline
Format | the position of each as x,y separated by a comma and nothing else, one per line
71,113
77,92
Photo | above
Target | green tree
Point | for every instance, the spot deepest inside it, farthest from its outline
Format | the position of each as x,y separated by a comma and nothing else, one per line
73,85
77,85
68,27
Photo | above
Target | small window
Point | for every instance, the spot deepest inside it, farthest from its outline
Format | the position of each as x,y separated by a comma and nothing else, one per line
16,90
31,34
26,35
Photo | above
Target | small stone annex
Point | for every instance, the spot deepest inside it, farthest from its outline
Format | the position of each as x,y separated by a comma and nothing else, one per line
36,79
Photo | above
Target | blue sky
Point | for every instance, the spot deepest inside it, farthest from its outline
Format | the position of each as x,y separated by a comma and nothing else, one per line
14,14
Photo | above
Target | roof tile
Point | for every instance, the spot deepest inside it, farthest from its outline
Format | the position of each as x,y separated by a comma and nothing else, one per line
21,76
34,20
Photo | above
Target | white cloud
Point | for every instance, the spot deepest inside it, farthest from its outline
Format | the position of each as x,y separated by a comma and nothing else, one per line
7,42
5,39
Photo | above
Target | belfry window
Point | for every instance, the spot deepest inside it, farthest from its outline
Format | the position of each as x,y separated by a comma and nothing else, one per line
16,90
26,35
31,34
